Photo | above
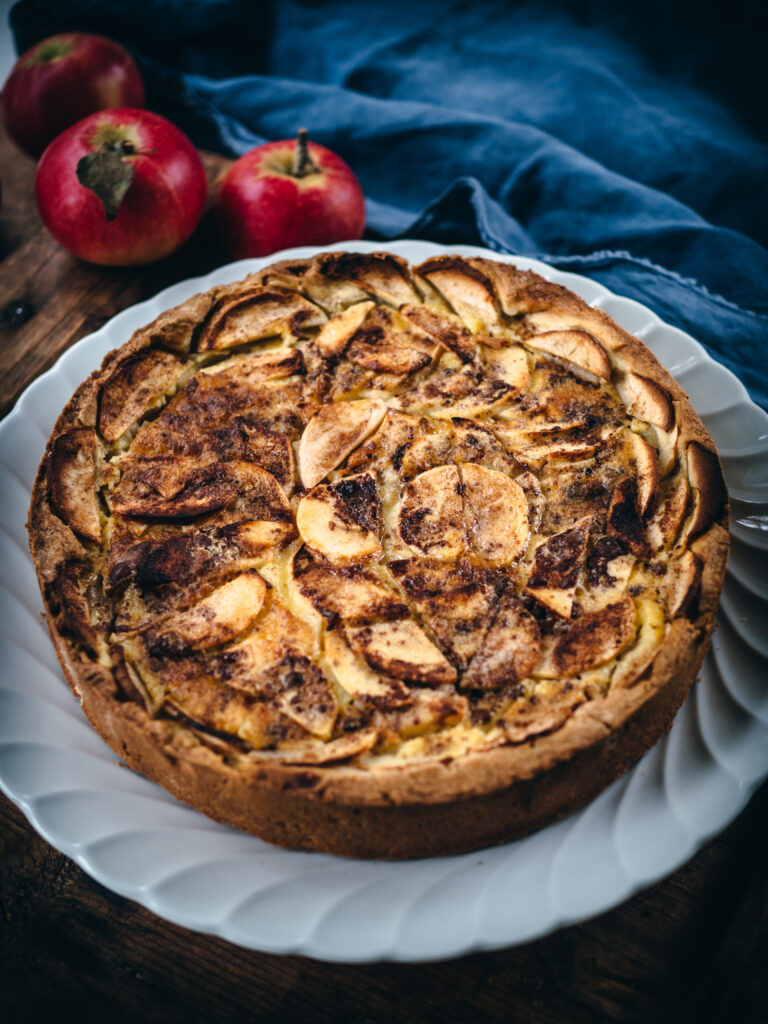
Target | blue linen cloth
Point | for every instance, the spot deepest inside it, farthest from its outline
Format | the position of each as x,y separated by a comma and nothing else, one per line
625,145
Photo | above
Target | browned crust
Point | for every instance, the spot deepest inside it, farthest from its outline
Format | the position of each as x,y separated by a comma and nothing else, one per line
433,806
486,798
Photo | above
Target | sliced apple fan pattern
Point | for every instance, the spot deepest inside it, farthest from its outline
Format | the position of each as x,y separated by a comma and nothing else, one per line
353,511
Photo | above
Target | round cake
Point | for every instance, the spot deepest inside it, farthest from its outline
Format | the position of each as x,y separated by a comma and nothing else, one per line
380,560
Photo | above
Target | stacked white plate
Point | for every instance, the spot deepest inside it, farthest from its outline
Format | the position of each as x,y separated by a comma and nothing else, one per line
135,839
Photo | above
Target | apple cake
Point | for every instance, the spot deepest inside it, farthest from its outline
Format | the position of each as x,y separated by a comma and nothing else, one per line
380,560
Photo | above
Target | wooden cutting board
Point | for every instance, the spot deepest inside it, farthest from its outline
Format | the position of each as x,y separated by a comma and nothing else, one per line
49,299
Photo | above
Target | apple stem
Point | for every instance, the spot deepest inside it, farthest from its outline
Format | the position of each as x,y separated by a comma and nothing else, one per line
303,162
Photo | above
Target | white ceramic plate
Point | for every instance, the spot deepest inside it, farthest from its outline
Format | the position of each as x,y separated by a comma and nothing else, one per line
134,838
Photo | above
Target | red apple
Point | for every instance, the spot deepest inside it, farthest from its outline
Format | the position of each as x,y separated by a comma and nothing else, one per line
121,187
63,79
287,193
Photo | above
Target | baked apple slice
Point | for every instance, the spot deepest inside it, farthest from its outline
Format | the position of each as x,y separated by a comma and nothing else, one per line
495,513
72,483
360,681
465,288
431,515
341,521
134,387
401,650
591,640
645,461
465,393
664,524
253,316
624,520
509,652
577,348
383,275
443,329
348,595
216,620
274,364
646,400
557,565
508,364
334,336
332,433
455,602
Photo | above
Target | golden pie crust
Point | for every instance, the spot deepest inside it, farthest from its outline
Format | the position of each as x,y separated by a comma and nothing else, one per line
378,560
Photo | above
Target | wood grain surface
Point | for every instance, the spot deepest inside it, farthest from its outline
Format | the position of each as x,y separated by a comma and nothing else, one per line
694,947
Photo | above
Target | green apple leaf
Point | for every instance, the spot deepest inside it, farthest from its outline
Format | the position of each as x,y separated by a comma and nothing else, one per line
107,175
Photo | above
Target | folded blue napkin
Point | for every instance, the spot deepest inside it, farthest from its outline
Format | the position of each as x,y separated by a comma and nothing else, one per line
627,146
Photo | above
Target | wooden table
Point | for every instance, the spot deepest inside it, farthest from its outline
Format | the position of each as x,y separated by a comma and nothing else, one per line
693,947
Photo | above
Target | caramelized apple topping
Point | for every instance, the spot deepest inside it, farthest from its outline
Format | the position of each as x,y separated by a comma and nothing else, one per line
360,507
